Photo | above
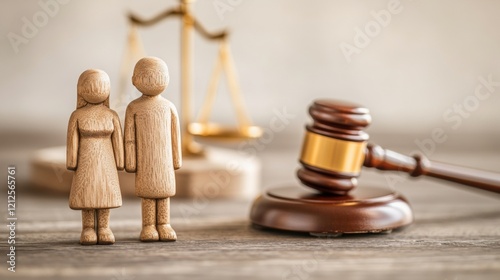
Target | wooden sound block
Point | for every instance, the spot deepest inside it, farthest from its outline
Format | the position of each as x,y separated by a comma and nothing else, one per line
364,210
220,173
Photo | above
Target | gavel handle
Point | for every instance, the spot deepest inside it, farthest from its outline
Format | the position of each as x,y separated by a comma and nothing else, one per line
418,165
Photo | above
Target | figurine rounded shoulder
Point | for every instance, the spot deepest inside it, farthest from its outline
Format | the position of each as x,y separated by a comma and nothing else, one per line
95,116
149,101
100,109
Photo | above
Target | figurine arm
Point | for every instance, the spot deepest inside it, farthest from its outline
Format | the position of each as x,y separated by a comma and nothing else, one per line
72,143
117,141
176,139
130,144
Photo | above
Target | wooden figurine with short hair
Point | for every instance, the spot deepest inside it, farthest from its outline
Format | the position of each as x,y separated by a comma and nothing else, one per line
153,148
95,153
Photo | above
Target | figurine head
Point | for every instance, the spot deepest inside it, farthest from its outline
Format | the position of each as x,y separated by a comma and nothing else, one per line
151,76
93,87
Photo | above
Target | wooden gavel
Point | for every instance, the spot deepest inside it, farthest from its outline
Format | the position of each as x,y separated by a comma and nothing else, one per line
335,148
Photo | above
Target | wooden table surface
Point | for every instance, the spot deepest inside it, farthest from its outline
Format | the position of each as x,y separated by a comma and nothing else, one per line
456,235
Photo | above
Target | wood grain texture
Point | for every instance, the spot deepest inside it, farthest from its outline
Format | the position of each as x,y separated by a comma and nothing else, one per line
95,153
458,239
221,173
456,236
153,147
94,146
152,133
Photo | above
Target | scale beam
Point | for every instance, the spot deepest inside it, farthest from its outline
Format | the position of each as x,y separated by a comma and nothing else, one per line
178,12
202,129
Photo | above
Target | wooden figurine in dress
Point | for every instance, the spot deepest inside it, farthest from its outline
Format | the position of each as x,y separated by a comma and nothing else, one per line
95,152
153,148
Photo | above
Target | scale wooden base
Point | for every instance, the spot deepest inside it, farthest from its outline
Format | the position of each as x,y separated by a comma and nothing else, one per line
364,210
220,173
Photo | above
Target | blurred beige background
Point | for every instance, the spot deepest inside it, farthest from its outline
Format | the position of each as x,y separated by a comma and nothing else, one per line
427,58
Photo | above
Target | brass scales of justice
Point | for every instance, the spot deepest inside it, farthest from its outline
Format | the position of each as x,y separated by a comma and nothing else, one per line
206,171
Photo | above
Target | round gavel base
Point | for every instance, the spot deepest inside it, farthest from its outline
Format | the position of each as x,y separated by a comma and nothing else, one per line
364,210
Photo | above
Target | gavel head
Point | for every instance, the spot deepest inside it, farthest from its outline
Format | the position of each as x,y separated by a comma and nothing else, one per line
334,146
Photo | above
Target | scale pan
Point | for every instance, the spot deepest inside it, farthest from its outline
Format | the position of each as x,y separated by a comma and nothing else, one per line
224,133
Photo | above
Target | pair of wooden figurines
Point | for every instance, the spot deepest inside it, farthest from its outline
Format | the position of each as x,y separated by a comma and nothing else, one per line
150,148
